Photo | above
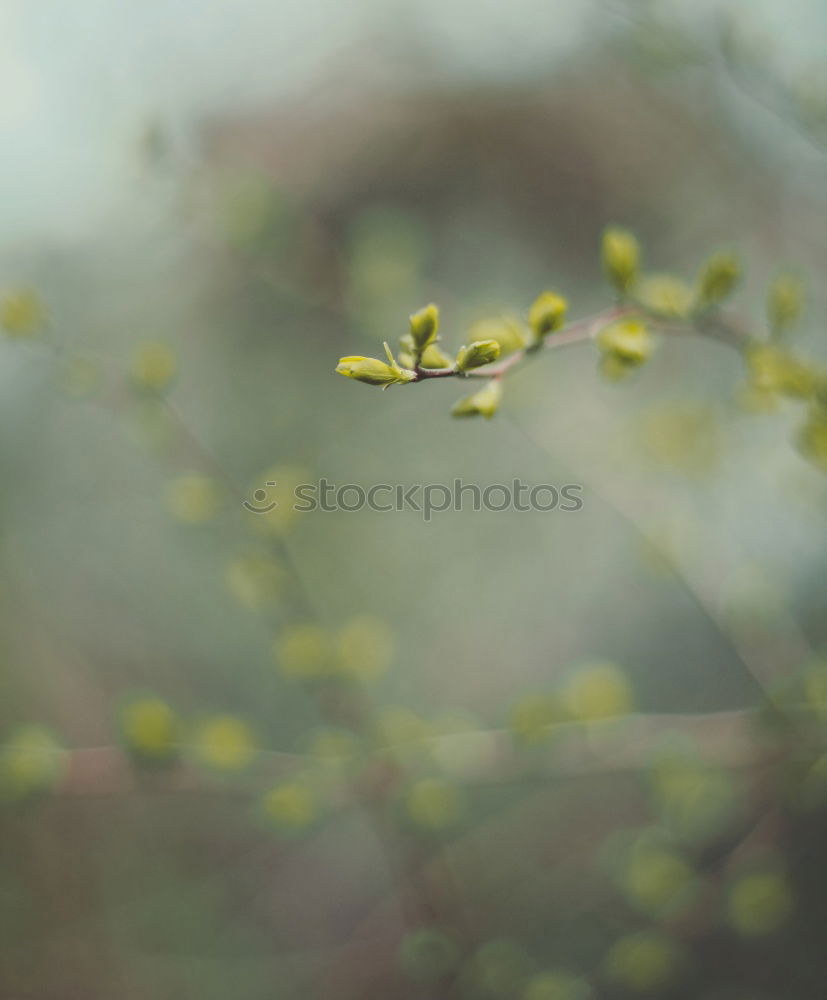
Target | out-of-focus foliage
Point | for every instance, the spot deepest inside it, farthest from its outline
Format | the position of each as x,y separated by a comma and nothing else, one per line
253,747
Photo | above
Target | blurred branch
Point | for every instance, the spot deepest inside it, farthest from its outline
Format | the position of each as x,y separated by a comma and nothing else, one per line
728,739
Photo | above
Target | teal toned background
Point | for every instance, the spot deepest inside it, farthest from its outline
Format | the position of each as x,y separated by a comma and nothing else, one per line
265,187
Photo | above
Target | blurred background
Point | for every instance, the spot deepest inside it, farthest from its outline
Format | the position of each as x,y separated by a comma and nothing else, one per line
357,755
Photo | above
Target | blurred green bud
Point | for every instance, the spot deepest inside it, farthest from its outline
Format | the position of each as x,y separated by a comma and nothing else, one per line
364,649
255,580
718,278
304,652
424,326
498,969
815,689
509,332
665,295
811,439
291,807
153,367
777,371
22,312
646,961
628,343
656,879
533,717
375,372
224,742
547,314
31,762
150,729
692,800
785,302
484,403
477,354
274,511
759,903
557,986
194,498
621,258
396,726
598,691
434,804
428,955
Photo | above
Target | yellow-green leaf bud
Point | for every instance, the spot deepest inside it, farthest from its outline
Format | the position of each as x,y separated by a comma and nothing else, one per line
434,804
718,278
224,742
256,580
627,341
598,691
645,961
291,807
547,314
760,903
364,649
22,312
812,439
776,371
428,955
557,985
477,354
304,652
785,302
533,717
150,729
509,332
484,403
194,498
433,357
31,763
424,326
373,371
153,367
621,257
665,296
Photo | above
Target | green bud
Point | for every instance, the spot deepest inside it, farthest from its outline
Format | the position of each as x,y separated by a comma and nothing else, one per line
484,403
812,439
718,278
628,342
548,313
481,352
432,357
424,325
785,302
621,258
31,763
509,332
22,312
776,371
153,367
373,371
666,296
150,729
428,955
